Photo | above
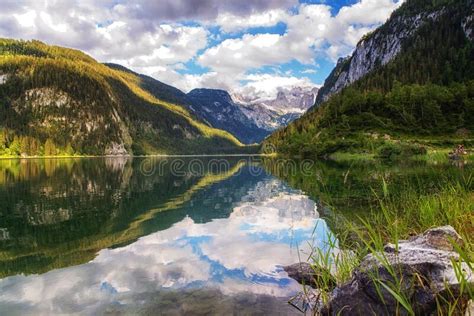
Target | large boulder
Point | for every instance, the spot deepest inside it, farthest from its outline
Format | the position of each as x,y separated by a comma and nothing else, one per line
423,268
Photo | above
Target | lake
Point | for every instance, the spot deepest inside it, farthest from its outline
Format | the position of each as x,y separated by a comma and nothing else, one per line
173,235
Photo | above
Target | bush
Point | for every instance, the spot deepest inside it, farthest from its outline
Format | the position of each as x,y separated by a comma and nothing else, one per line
395,150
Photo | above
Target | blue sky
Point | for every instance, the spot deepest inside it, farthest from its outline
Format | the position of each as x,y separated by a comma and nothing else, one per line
253,48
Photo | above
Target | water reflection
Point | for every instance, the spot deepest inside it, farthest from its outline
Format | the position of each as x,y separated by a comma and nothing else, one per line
108,238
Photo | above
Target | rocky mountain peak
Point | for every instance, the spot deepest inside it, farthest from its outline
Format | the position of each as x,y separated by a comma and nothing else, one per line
271,114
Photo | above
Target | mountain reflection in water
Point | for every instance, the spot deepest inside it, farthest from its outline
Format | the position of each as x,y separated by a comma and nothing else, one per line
140,243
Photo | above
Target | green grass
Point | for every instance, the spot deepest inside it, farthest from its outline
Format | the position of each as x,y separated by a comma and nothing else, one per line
428,150
403,210
347,156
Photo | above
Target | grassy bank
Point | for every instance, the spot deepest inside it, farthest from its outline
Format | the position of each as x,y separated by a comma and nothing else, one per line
403,209
372,147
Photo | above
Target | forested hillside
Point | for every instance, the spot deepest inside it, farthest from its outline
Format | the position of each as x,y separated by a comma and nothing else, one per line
426,90
55,100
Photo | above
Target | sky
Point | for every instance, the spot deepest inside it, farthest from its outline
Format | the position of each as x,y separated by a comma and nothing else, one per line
250,47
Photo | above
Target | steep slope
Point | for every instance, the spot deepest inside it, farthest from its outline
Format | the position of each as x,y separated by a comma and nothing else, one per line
411,77
55,100
218,108
386,43
158,89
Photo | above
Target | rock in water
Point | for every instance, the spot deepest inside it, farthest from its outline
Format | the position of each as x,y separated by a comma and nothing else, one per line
424,264
307,274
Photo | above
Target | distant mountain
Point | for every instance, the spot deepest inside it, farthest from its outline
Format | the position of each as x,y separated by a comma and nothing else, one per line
271,114
250,120
412,77
218,109
55,100
247,119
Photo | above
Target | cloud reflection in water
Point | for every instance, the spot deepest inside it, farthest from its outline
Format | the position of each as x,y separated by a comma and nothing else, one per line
243,253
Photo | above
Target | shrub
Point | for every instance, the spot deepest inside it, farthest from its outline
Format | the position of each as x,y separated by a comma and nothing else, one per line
389,151
395,150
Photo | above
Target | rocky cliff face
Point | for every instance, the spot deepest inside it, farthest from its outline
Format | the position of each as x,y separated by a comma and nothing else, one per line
379,48
50,110
271,114
468,26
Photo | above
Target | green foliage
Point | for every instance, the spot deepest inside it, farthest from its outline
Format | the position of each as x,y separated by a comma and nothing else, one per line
14,148
393,150
69,151
429,110
389,151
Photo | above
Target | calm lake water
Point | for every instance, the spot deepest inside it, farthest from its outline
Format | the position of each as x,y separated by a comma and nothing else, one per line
150,236
172,235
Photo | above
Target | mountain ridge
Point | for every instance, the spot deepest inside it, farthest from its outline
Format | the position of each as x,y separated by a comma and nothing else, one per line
56,100
251,121
378,48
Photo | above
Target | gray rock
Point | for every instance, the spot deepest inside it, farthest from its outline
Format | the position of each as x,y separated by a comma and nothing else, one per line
116,149
307,274
424,266
468,27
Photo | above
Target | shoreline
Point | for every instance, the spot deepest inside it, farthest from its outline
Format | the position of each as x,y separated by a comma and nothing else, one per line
136,156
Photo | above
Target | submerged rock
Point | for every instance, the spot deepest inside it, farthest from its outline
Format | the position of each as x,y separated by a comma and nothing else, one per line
422,267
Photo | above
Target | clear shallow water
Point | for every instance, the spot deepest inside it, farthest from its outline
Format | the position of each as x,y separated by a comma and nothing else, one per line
147,236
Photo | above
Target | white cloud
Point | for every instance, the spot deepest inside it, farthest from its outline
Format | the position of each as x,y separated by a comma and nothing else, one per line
309,71
151,37
313,32
236,56
358,13
230,23
166,46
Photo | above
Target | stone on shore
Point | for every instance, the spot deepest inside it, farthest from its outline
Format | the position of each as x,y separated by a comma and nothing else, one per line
424,264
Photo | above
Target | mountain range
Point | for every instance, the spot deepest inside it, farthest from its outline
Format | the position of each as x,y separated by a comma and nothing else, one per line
250,120
56,100
412,76
271,114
